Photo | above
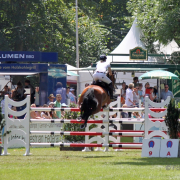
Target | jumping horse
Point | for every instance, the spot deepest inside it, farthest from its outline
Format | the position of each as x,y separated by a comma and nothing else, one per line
93,98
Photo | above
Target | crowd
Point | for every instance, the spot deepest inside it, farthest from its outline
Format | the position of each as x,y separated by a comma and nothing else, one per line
133,94
130,97
17,94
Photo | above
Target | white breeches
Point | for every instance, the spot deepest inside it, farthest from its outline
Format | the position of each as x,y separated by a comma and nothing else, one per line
101,77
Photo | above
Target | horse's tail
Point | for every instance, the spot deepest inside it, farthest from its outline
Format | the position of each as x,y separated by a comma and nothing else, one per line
89,104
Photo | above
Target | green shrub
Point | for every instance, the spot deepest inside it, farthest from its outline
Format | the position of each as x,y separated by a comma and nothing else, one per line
172,120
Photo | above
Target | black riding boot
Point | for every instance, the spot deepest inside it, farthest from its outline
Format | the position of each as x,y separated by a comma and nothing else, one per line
110,86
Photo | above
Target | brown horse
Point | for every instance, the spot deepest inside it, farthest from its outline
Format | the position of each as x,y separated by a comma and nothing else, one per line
92,99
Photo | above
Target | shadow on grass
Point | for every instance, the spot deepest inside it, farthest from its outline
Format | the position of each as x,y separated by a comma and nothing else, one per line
149,161
98,156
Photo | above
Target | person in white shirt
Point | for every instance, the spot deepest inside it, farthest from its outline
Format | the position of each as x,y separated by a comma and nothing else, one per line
129,95
100,73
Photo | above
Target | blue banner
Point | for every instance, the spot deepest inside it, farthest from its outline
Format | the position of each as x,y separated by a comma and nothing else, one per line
28,56
23,68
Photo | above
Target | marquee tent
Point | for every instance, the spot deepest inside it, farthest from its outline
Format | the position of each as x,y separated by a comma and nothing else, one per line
131,40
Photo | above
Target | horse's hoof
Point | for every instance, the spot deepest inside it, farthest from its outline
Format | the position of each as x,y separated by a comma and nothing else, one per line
79,119
82,126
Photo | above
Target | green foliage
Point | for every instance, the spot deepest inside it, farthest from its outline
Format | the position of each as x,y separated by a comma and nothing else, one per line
73,126
50,26
172,120
158,19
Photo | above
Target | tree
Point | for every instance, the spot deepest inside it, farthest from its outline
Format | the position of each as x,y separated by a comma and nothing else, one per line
172,120
51,26
158,19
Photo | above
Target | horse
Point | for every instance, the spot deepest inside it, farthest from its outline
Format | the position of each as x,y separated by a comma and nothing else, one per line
93,98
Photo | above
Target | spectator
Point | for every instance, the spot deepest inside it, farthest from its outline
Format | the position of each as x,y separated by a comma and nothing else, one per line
63,105
6,90
19,92
52,113
147,85
36,96
152,96
34,114
14,109
129,97
156,93
13,94
136,115
165,93
45,114
135,81
3,106
136,96
141,93
58,104
62,91
123,93
86,85
72,96
51,98
124,114
32,90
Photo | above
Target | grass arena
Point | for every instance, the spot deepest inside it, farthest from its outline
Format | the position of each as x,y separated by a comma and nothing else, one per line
51,163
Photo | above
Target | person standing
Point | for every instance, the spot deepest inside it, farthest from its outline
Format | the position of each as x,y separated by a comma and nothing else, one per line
141,93
36,97
57,103
129,97
135,81
60,90
32,90
123,92
165,93
136,96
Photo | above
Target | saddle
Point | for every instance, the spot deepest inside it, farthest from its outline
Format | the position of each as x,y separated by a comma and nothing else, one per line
101,84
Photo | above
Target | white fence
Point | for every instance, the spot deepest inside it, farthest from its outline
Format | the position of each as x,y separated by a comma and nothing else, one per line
19,129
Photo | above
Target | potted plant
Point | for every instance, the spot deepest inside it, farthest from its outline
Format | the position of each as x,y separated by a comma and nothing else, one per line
72,127
172,121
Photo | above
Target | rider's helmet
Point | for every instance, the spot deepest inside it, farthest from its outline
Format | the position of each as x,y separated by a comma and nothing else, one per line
103,57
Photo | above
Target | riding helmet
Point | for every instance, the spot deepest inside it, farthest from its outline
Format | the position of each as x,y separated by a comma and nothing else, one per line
103,57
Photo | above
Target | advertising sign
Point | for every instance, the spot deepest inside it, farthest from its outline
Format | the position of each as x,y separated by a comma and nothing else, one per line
169,148
28,56
150,148
138,53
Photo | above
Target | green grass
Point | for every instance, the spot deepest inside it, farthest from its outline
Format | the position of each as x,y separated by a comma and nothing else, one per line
126,139
50,163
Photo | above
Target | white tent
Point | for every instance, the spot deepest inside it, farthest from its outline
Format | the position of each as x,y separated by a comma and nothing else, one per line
167,49
131,40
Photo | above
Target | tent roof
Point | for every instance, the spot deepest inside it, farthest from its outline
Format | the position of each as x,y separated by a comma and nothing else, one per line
131,40
167,49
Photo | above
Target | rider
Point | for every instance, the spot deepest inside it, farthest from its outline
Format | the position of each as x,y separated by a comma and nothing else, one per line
100,73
